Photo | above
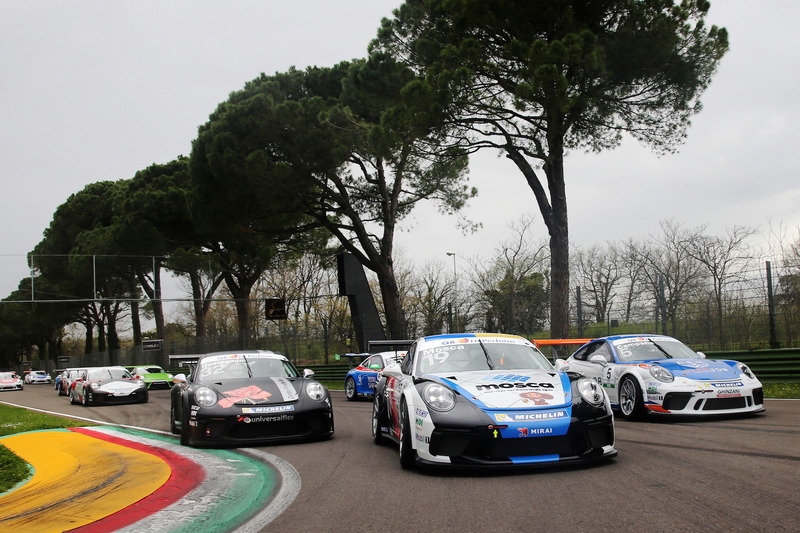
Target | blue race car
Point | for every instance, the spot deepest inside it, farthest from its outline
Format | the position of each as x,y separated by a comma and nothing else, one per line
489,400
360,381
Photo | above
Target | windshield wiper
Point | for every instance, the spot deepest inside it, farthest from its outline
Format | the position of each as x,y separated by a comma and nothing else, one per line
660,349
249,370
486,353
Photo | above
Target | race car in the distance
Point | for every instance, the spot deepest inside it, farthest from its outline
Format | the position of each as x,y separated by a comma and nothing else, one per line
10,381
248,397
489,400
37,376
360,381
659,374
153,376
107,385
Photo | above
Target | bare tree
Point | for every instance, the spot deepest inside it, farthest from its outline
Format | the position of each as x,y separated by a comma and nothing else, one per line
670,265
599,274
724,259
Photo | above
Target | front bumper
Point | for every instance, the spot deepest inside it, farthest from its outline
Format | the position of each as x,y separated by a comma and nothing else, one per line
106,398
703,401
585,441
218,426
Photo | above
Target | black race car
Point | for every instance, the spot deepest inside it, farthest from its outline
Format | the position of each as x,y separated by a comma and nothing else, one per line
248,397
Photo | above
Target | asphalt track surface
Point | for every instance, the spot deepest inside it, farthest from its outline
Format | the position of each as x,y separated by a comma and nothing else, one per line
730,474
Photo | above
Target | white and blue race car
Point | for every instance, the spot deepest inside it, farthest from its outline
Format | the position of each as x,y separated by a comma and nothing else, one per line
489,400
658,374
359,382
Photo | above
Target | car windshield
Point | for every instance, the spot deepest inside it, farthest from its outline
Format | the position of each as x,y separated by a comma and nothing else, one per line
242,366
7,375
152,370
99,374
482,356
39,373
646,349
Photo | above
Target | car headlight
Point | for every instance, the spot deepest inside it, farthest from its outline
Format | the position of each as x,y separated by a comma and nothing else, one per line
744,369
315,390
205,396
661,374
591,391
438,397
140,383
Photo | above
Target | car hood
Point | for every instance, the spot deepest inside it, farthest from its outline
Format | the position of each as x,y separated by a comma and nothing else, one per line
117,385
256,391
700,369
523,389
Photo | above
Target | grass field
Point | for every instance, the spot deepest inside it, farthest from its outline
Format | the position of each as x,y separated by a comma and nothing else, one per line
17,420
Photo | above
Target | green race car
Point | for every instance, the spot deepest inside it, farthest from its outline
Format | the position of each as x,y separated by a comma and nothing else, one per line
154,376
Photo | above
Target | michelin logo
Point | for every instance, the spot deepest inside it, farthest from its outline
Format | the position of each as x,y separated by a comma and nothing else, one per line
520,417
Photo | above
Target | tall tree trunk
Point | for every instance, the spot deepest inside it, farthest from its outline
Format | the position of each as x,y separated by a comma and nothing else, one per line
554,213
153,292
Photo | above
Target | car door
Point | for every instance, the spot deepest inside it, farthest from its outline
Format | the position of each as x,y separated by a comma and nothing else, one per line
586,361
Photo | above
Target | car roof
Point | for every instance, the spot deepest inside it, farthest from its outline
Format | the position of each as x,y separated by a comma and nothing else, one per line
244,352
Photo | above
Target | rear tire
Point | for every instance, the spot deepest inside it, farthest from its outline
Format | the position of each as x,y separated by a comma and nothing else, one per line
72,399
378,421
350,389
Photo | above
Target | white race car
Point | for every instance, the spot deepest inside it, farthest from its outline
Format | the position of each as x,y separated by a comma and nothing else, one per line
489,400
658,374
37,376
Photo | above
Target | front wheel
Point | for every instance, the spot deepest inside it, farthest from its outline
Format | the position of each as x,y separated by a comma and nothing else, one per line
173,427
350,389
408,455
631,402
185,434
72,398
85,399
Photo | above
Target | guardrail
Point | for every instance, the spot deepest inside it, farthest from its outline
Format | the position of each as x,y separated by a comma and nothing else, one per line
770,366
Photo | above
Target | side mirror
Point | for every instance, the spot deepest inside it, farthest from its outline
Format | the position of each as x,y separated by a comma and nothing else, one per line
702,355
393,371
599,359
561,365
308,373
179,378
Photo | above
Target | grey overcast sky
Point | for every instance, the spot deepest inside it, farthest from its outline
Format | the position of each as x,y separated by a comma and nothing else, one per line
94,90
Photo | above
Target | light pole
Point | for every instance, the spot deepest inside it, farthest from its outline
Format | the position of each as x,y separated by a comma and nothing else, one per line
455,292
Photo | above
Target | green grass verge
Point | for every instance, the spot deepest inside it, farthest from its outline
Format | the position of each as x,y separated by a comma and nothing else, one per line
782,390
16,420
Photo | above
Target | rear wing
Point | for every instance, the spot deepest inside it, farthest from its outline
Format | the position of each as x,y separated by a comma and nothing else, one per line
187,360
559,348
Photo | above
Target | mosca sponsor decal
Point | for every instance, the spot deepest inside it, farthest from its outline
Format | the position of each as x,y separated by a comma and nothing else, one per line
271,409
497,386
